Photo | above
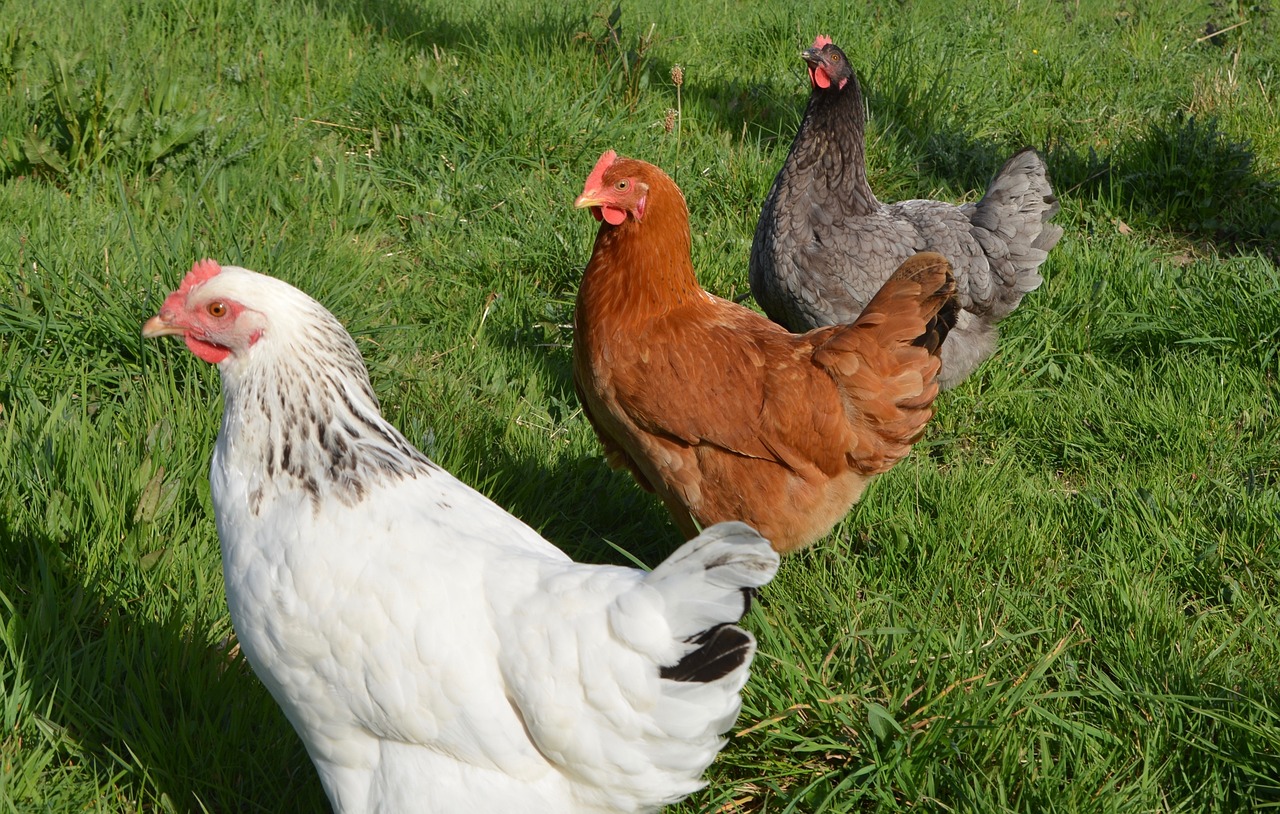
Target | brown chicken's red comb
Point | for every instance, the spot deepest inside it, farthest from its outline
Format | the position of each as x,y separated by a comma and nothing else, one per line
821,40
596,178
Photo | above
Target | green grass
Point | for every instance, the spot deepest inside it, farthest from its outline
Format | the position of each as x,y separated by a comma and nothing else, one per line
1066,600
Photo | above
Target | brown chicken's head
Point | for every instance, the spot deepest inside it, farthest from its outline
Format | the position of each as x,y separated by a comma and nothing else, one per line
615,189
827,64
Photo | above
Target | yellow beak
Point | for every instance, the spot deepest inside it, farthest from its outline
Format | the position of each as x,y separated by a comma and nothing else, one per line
587,199
159,326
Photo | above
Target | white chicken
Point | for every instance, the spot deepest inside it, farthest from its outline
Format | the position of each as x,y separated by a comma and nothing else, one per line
434,653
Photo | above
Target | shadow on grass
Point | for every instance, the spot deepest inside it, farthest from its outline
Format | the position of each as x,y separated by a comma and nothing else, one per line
402,21
137,700
578,503
1182,174
585,508
411,23
747,109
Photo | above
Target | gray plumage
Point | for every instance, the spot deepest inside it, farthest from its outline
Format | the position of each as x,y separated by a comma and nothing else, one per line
824,245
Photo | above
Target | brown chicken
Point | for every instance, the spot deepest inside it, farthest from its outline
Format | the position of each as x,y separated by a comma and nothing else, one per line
722,413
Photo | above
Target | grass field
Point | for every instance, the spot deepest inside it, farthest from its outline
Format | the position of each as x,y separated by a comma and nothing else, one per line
1068,598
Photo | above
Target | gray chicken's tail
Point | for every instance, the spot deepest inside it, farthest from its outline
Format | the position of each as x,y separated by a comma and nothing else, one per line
1011,224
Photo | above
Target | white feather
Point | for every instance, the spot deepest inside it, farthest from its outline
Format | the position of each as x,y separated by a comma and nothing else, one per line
433,652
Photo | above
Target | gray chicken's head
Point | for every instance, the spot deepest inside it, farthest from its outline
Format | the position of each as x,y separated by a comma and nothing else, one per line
828,65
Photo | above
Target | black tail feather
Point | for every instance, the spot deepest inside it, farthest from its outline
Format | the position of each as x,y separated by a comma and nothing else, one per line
722,649
937,328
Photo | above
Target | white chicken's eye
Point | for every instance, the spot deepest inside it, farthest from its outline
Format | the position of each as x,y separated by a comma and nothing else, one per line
217,309
620,186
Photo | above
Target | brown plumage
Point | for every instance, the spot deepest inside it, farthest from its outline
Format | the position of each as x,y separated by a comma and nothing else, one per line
722,413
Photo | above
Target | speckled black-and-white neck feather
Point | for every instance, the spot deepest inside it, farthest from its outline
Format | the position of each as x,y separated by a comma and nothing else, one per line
300,413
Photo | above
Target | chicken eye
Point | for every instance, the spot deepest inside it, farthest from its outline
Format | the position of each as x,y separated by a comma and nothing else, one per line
620,186
835,57
217,309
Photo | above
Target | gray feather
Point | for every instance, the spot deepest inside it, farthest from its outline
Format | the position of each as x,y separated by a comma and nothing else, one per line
824,245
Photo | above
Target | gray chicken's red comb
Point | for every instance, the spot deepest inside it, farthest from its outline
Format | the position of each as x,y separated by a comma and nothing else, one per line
596,178
821,40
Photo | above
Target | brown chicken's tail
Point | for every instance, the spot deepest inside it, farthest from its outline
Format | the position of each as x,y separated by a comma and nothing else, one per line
886,361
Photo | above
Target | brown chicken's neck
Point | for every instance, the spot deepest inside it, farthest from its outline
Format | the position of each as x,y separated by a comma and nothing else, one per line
642,269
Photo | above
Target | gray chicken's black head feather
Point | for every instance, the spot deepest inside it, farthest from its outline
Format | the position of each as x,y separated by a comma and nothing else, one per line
827,58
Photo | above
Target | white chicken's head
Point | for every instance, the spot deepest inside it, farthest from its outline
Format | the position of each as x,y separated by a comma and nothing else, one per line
208,314
827,64
244,321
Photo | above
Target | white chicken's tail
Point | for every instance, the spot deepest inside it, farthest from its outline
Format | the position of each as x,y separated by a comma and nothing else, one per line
1011,224
706,586
664,699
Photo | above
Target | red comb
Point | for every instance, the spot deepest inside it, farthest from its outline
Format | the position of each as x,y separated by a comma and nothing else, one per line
821,40
201,272
596,178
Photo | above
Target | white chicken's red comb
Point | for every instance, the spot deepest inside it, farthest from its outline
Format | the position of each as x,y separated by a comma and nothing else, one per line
201,271
821,40
596,178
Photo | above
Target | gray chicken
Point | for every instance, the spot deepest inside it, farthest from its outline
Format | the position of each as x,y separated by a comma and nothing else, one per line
824,245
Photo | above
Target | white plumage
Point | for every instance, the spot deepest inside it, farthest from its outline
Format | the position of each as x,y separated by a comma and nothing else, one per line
434,653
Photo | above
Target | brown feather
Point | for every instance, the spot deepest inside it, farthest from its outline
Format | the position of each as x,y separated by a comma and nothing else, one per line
722,413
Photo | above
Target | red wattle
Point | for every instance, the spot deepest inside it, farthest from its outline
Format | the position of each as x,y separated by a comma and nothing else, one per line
595,213
820,78
614,215
213,354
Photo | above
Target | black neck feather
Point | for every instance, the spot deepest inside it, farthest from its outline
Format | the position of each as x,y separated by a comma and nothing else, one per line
829,145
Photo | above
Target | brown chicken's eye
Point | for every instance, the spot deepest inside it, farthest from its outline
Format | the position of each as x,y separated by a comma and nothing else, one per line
217,309
620,186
